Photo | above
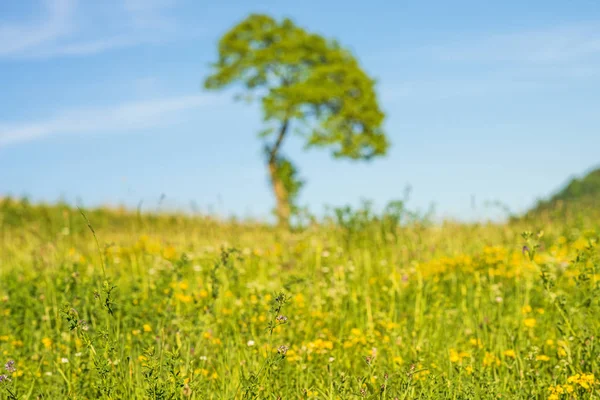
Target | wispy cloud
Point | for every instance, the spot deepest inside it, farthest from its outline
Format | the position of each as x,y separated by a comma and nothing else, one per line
62,32
150,13
19,38
548,46
125,117
512,63
454,88
93,46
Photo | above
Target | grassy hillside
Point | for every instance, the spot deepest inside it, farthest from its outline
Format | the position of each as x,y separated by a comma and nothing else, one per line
175,307
577,195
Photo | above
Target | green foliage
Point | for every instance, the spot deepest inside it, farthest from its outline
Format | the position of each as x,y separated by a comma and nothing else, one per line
288,174
305,79
363,224
301,75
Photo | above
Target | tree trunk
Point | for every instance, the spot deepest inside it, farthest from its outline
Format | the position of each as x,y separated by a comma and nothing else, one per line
282,208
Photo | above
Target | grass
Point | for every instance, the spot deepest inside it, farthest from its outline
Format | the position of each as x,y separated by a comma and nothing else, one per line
373,307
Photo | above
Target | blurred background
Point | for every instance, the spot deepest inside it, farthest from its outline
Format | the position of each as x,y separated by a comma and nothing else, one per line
102,103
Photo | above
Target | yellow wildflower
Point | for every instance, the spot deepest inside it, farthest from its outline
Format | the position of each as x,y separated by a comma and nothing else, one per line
47,342
456,356
490,359
530,322
583,380
184,298
509,353
561,352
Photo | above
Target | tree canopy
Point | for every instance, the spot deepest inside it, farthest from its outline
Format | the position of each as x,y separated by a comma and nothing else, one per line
305,79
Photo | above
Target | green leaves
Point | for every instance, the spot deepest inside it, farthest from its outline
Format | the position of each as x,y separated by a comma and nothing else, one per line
303,76
304,80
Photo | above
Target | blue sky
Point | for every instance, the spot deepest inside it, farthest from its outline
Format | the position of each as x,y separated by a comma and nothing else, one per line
103,102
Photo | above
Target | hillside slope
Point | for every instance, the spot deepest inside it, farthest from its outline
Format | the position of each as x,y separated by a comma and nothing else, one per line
579,195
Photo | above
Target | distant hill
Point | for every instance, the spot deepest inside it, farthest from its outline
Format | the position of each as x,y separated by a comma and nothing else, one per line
579,195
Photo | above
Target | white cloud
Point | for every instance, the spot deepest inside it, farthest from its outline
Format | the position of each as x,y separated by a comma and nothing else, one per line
18,38
126,117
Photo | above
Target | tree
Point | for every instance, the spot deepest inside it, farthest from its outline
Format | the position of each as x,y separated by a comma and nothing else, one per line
305,80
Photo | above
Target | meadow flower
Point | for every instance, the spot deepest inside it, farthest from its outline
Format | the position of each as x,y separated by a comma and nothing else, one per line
530,322
250,343
457,357
184,298
281,319
83,325
509,353
583,380
283,349
490,359
10,366
4,378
